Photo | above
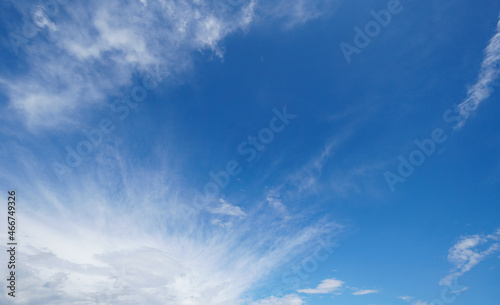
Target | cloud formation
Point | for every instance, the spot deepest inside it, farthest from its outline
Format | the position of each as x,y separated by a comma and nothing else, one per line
482,89
291,299
226,208
93,49
467,253
117,234
405,298
326,286
89,52
365,291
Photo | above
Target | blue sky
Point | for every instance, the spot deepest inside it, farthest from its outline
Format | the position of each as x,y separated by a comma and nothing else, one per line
252,152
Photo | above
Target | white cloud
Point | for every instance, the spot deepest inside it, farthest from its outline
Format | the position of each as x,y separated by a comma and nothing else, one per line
91,51
297,12
274,200
306,179
459,290
42,20
466,254
405,298
421,303
291,299
117,234
311,177
482,89
98,46
226,208
326,286
364,291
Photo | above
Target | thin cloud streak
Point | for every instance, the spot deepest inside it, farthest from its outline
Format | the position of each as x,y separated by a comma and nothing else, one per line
482,89
365,291
406,298
291,299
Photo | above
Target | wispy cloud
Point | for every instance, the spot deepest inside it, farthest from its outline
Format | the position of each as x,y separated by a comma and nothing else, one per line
466,254
291,299
364,291
459,290
297,12
92,50
226,208
482,89
339,180
405,298
274,200
305,180
89,241
326,286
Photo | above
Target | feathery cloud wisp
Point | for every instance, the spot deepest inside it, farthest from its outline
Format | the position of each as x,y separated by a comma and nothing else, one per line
466,254
91,52
405,298
118,235
482,89
291,299
365,291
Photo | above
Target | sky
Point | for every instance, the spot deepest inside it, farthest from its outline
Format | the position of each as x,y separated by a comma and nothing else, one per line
248,152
